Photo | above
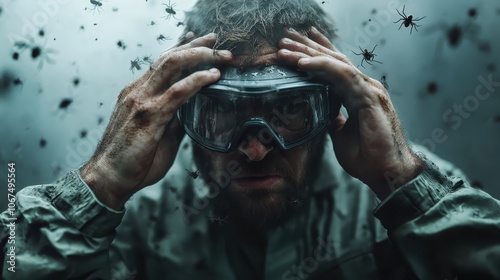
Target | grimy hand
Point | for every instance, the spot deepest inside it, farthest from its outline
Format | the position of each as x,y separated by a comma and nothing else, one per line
143,135
370,144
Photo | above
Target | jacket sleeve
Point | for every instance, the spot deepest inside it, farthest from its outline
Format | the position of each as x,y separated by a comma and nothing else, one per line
443,227
58,231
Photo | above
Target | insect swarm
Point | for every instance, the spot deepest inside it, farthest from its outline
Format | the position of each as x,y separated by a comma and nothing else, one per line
369,57
408,20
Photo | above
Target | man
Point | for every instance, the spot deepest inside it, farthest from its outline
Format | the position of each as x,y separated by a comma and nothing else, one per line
273,181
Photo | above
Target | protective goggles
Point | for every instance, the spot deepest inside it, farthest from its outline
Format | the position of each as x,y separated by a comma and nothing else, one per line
274,103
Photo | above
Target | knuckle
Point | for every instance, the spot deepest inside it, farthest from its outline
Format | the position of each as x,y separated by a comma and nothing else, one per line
171,61
176,90
129,101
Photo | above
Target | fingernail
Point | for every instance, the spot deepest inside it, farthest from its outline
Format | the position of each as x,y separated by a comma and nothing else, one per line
214,70
304,60
285,51
291,29
224,53
189,35
314,29
210,36
287,41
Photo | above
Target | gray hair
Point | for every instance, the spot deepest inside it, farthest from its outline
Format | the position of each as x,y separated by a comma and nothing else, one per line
241,25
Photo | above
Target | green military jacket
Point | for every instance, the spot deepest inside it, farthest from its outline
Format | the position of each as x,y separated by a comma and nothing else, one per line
434,227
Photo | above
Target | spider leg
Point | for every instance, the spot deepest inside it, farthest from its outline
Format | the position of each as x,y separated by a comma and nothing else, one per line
414,26
399,20
417,19
401,25
373,50
356,53
399,13
40,64
404,11
373,60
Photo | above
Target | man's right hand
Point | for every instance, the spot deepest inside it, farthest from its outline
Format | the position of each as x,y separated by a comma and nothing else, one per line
142,138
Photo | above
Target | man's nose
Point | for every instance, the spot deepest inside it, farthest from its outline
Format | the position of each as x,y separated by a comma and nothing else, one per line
254,149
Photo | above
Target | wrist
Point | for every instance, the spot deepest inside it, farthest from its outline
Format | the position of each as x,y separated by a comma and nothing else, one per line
397,176
95,177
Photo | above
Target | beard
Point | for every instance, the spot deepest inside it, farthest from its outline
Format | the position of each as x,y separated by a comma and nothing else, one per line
264,207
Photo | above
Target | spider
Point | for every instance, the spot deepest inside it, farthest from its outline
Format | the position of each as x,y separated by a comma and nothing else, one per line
170,10
97,6
36,51
367,56
135,64
64,104
455,34
152,23
121,45
193,174
218,220
408,20
147,59
162,38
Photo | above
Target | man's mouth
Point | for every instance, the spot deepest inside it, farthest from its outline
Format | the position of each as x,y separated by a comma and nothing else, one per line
258,181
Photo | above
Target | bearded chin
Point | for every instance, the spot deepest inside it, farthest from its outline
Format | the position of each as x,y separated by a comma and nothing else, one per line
264,208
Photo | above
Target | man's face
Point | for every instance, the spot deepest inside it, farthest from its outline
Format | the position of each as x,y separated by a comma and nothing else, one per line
266,183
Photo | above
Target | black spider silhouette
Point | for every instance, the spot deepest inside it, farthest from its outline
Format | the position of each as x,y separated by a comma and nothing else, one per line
170,10
408,20
37,51
161,38
193,174
97,6
369,57
135,64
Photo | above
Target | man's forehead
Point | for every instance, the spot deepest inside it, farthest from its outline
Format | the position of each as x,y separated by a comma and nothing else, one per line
265,54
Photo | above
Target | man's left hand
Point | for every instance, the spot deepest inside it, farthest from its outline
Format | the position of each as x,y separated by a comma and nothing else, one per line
370,144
